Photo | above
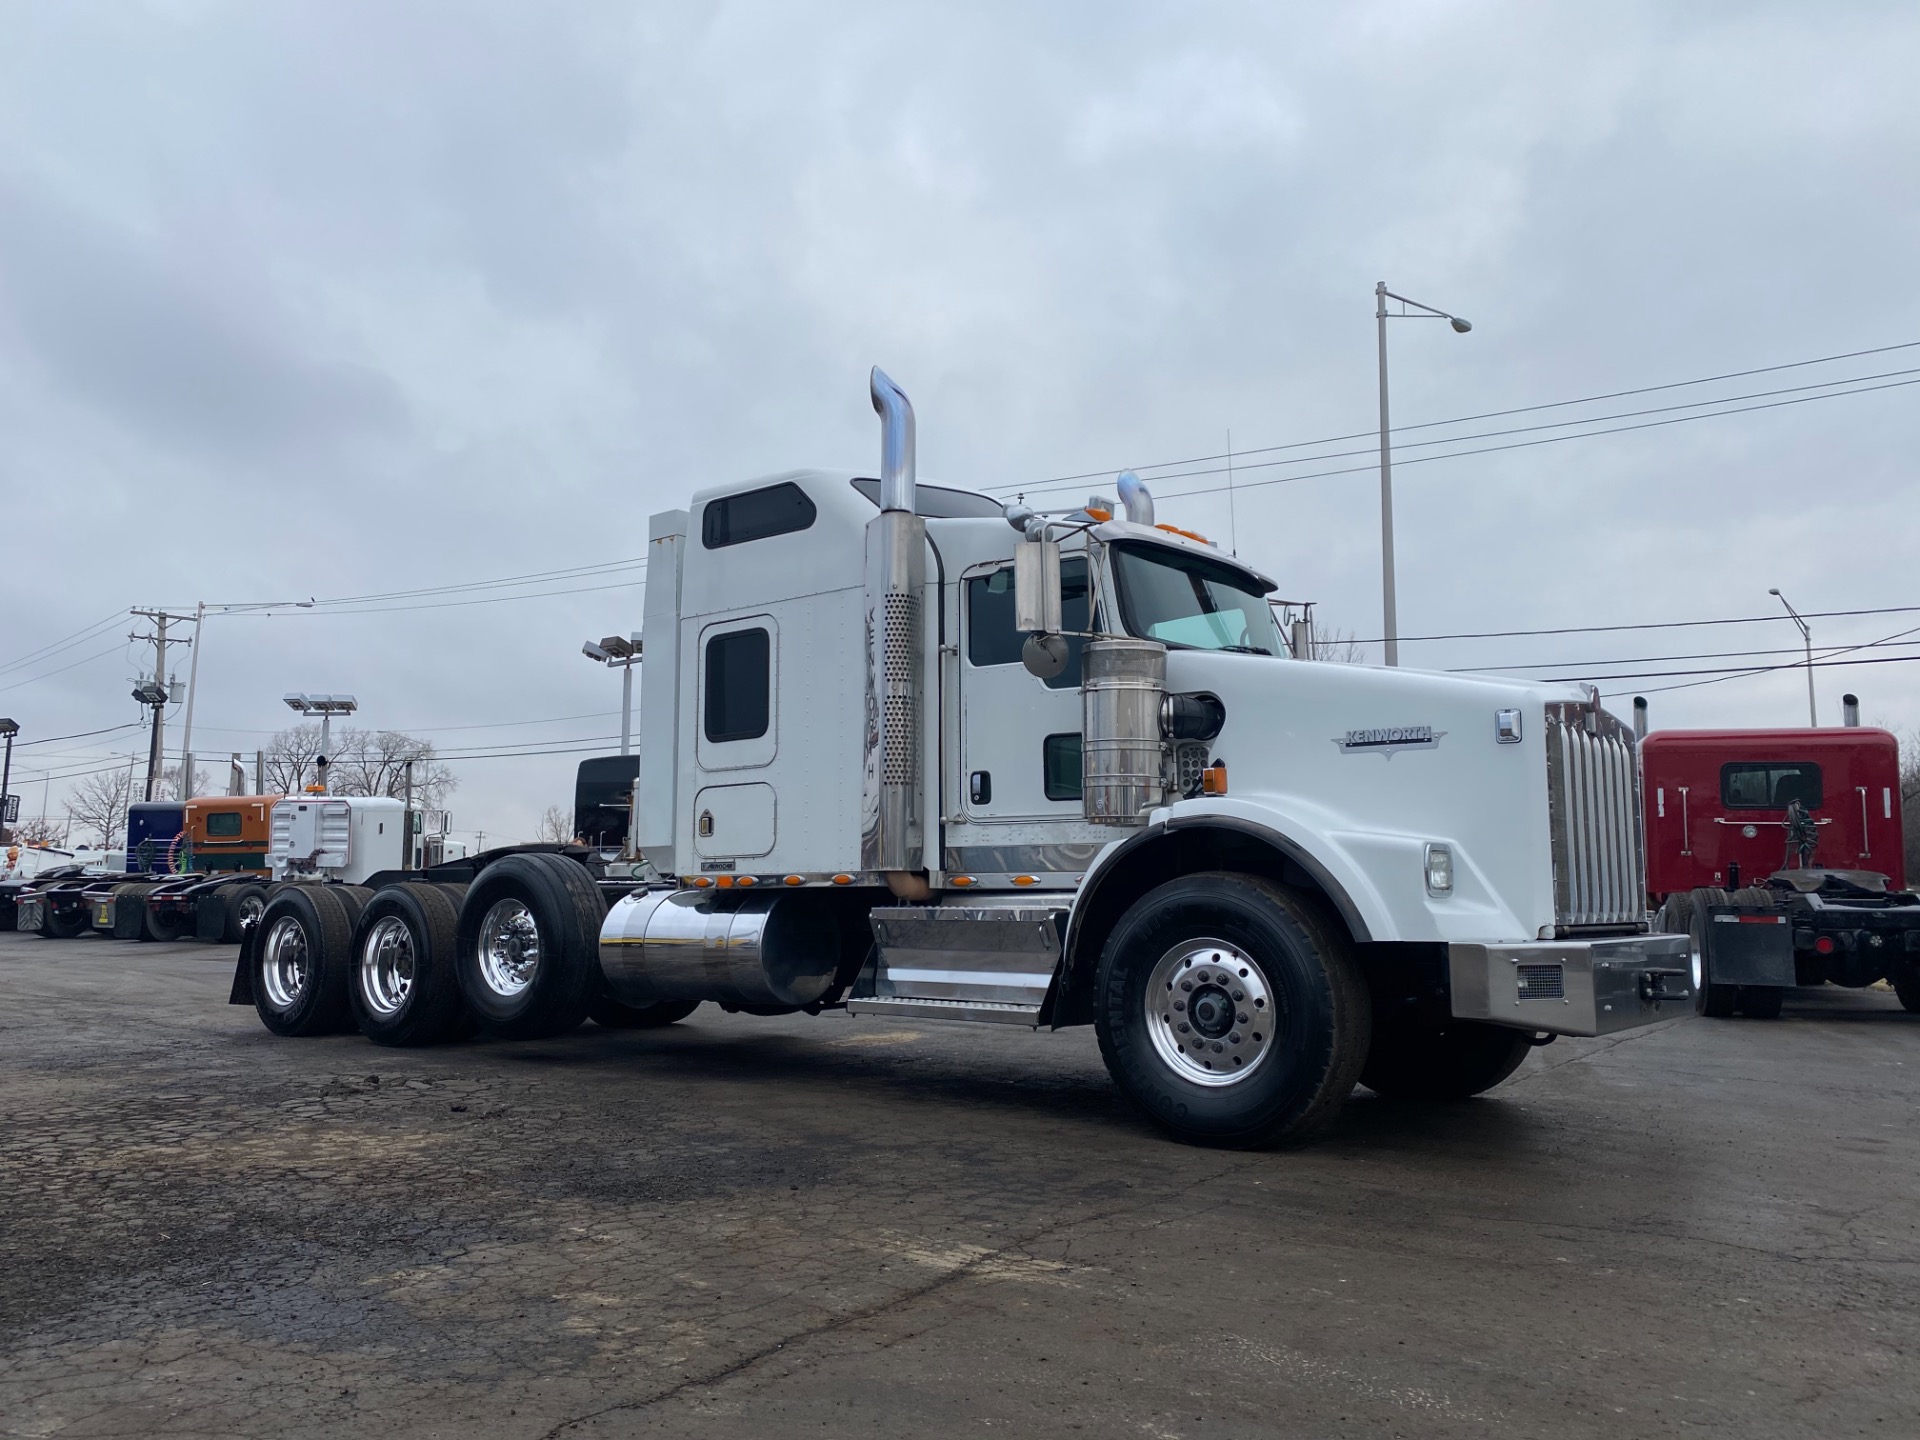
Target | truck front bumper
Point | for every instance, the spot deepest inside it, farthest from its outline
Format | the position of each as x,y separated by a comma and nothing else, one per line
1573,987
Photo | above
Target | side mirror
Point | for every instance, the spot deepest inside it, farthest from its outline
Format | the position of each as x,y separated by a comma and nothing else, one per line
1036,587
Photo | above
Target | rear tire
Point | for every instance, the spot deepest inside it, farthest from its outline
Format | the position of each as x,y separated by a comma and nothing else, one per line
70,926
612,1014
529,946
1717,1001
1230,1010
1452,1062
405,990
1908,989
302,961
244,901
162,926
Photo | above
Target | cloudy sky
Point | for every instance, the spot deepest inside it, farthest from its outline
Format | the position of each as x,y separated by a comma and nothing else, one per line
332,300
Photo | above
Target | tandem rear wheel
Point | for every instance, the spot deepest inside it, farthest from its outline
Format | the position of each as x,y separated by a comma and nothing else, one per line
1686,914
405,990
528,946
1231,1011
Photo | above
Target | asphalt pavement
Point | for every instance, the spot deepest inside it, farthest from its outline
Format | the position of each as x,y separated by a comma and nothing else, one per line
830,1226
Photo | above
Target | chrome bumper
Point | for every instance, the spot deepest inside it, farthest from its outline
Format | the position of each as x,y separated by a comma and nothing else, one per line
1573,987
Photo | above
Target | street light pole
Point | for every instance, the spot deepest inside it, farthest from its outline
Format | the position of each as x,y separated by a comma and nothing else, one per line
193,684
1806,638
1389,607
616,652
9,729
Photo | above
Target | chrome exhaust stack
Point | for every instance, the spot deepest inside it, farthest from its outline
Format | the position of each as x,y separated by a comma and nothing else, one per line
1850,711
1639,717
891,825
1134,495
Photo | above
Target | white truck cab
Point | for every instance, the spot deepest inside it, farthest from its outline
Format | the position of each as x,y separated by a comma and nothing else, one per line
342,838
910,749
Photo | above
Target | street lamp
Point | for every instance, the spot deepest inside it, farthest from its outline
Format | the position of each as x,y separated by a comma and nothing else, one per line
622,655
326,707
1381,295
1806,638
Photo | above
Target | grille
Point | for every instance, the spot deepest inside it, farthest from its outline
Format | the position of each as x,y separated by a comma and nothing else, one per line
900,621
1593,784
1542,982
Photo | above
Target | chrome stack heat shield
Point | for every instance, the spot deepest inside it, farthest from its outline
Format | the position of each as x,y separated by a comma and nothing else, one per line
891,828
1123,685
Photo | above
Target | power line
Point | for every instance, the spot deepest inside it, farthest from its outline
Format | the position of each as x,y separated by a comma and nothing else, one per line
1655,625
118,647
1528,444
1495,414
79,735
79,637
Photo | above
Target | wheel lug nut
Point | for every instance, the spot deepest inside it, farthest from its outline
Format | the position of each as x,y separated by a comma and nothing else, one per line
1241,1017
1238,996
1179,1004
1186,984
1182,1028
1234,1038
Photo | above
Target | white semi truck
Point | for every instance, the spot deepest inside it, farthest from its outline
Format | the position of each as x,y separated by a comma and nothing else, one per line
908,751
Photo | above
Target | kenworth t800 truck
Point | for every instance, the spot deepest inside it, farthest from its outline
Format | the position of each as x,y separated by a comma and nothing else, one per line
908,751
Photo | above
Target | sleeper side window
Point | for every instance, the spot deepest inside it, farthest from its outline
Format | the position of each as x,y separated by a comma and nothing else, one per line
756,515
223,825
991,638
739,685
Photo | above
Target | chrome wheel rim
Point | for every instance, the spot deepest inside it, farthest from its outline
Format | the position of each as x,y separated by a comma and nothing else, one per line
386,966
285,963
509,948
1699,966
250,908
1210,1011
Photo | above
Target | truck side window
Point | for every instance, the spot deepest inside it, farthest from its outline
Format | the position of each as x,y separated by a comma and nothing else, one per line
991,638
1769,784
756,515
739,685
1060,755
223,825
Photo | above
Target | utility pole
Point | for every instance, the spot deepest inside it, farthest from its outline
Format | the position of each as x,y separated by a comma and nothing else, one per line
155,693
9,729
413,844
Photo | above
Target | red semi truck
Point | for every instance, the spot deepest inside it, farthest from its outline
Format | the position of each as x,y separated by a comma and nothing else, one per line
1781,853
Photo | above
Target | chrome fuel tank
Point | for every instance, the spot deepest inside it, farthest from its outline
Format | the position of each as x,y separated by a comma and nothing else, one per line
778,949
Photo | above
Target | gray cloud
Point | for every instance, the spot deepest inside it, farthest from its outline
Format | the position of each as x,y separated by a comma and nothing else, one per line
340,299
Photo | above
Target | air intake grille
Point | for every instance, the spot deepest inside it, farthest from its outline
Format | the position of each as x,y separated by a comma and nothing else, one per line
1542,982
900,619
1593,783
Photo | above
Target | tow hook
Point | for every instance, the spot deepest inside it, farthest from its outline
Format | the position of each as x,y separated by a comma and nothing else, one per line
1654,986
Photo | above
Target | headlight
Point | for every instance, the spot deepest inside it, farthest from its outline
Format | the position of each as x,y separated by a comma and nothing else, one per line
1439,870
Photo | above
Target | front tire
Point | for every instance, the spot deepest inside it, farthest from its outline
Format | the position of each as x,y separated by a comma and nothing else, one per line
529,946
301,964
405,990
1229,1009
1454,1061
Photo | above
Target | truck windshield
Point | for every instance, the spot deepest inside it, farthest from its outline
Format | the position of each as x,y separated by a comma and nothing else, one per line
1191,602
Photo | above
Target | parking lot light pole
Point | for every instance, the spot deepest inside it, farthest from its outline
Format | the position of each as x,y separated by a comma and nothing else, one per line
1409,310
1806,638
326,707
622,655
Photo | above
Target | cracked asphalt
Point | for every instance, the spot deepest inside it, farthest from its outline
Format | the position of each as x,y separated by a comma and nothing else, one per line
762,1227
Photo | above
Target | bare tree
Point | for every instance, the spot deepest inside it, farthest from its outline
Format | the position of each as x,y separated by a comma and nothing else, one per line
39,831
98,806
1331,642
1910,800
555,827
363,762
169,786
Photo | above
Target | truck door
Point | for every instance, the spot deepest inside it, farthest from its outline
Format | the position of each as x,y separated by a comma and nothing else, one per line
738,739
1020,736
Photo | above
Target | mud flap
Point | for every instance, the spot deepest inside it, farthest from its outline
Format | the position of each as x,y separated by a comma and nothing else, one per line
1749,947
210,916
242,992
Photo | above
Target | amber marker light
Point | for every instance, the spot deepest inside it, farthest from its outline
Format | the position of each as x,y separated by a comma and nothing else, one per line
1025,880
843,879
962,881
795,880
1213,779
699,882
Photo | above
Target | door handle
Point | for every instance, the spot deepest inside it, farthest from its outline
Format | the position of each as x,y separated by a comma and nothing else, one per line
980,787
